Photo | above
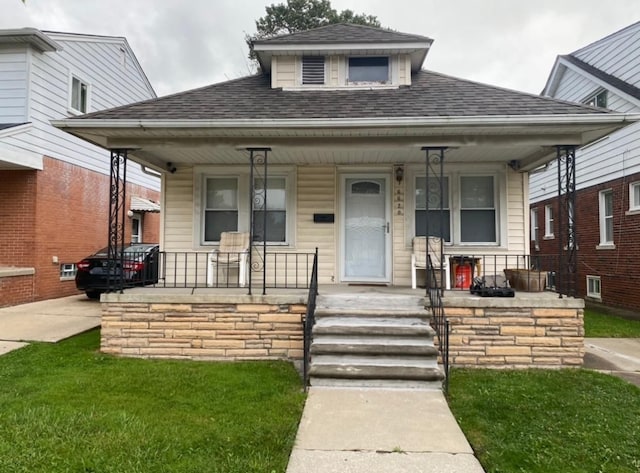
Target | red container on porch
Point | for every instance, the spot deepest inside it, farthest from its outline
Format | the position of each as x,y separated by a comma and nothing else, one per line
463,276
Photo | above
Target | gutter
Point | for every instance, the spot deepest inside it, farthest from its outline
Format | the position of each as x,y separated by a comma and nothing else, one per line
499,120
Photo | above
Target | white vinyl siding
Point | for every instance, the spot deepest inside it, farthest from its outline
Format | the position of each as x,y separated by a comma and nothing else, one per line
606,217
285,71
13,85
113,83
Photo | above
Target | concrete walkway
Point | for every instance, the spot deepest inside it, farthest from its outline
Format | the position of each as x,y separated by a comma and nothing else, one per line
47,321
617,356
349,430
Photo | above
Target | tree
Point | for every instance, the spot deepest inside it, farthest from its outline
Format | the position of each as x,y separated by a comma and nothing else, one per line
301,15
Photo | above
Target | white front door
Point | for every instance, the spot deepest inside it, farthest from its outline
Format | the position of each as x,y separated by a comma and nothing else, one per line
365,230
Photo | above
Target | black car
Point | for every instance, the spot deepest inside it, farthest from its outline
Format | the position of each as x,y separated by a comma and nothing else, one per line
139,267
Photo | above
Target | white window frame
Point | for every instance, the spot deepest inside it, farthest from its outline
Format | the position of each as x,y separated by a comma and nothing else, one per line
548,222
592,282
533,222
68,271
454,174
414,179
604,218
241,173
634,206
389,71
136,217
592,99
495,208
81,80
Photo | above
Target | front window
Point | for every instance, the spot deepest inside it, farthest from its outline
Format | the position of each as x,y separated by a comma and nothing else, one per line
477,209
136,228
606,217
534,225
221,207
276,210
431,193
548,221
368,69
79,95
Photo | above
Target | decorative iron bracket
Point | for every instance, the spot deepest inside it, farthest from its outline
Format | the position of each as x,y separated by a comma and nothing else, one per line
117,215
258,198
434,168
566,277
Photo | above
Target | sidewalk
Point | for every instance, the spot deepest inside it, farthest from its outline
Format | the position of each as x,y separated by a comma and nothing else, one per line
353,430
47,321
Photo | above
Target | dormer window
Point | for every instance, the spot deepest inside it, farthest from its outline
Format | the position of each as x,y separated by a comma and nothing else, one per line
312,70
369,69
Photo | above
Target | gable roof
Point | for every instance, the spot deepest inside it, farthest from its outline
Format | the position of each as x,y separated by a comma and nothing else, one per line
613,81
344,33
430,95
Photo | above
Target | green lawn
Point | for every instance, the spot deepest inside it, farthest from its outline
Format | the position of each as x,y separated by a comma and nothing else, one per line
67,408
548,421
601,325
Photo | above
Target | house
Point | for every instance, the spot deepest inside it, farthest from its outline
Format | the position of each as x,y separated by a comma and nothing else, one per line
54,188
604,74
340,152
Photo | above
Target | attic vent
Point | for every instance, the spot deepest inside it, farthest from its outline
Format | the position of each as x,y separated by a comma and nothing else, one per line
313,70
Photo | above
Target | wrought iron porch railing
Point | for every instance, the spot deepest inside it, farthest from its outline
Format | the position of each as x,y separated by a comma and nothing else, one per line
310,320
438,318
278,270
522,272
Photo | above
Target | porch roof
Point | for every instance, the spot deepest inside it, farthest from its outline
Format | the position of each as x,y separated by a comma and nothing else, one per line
484,123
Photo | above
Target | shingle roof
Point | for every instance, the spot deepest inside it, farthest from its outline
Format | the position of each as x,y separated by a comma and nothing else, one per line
430,95
603,76
344,33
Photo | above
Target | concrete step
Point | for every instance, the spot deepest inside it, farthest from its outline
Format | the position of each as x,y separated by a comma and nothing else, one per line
322,312
383,326
371,370
370,301
376,383
375,346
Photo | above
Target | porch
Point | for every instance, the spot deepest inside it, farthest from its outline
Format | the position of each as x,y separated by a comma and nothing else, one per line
528,330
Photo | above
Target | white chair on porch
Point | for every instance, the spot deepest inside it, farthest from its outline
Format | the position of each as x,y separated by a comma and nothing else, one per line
419,259
232,252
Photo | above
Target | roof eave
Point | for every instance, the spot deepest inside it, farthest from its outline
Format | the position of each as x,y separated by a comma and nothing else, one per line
32,36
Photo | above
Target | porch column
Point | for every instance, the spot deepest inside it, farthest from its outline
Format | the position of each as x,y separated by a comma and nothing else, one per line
434,167
566,276
117,217
258,198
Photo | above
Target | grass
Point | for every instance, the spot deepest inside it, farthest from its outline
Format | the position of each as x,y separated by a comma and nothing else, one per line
602,325
67,408
545,421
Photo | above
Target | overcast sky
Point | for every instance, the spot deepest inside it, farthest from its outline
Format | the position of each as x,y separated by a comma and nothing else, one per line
183,44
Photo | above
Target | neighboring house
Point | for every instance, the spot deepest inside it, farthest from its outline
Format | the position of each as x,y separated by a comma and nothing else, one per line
54,188
604,74
356,148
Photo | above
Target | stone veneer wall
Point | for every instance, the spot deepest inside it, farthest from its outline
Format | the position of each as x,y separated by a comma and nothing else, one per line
208,327
532,330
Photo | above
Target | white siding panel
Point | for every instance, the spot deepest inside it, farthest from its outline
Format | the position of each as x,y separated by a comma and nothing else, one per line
575,87
178,210
13,85
113,79
285,71
317,194
517,219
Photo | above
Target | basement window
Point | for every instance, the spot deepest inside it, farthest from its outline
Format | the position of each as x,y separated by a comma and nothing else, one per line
67,271
594,287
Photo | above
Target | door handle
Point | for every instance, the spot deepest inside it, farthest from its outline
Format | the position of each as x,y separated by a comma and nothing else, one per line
387,227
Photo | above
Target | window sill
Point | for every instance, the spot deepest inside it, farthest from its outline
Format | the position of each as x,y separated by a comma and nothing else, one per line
549,237
67,278
632,212
606,246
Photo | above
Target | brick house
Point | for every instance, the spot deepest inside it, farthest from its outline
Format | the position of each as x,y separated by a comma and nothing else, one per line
603,74
54,188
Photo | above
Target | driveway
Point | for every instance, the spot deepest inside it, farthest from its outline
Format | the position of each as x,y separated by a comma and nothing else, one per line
617,356
47,321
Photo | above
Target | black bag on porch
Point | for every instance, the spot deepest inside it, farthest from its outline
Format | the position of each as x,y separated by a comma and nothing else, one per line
480,287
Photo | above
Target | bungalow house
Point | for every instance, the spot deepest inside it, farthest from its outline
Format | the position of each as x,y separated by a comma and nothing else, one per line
602,74
54,187
342,149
